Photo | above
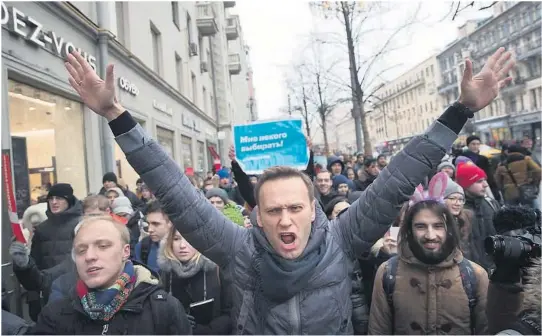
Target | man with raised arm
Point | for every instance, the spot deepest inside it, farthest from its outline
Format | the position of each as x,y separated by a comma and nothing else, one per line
291,273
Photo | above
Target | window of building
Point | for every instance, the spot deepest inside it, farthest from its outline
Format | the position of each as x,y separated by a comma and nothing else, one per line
48,145
179,73
175,13
194,89
121,24
156,49
187,151
201,157
166,138
188,29
534,101
200,46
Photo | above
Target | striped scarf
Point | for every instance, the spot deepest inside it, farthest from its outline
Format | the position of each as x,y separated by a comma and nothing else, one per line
104,304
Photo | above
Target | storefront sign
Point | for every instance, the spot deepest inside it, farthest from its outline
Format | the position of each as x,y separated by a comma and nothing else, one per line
190,123
490,125
128,87
32,31
162,107
525,119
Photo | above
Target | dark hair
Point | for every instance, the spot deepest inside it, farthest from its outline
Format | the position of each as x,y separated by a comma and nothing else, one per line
139,180
439,209
282,172
347,169
398,222
324,171
369,162
381,156
153,207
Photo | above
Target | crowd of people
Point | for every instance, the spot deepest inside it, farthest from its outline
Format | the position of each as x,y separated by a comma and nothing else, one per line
357,247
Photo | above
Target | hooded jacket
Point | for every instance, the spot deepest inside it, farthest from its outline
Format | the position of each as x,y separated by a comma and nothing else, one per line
440,303
195,288
67,316
52,240
524,170
233,249
334,159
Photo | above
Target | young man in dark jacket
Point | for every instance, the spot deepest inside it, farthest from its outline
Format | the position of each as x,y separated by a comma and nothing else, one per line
295,259
111,295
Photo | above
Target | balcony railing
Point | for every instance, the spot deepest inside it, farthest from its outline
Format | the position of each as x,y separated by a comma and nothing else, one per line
518,84
234,64
232,31
206,21
529,49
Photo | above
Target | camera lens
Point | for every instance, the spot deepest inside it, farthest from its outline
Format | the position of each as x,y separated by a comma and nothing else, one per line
513,248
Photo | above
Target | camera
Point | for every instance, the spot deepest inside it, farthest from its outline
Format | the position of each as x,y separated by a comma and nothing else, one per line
518,248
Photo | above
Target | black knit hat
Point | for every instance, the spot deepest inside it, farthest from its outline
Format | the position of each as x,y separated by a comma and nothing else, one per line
111,177
472,138
63,190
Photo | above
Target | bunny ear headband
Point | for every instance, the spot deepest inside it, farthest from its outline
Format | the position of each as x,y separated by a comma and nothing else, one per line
437,187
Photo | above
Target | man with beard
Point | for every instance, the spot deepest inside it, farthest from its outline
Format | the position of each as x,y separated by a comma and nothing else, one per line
449,291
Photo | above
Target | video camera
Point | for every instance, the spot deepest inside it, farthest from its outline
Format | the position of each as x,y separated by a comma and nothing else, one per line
523,239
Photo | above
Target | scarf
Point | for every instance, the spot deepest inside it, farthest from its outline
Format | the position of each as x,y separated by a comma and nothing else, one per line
281,279
104,304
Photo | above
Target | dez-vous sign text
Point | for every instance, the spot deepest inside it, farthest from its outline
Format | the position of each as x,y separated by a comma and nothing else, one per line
32,31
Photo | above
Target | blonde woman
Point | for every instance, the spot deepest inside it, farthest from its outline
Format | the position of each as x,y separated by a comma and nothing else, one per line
193,279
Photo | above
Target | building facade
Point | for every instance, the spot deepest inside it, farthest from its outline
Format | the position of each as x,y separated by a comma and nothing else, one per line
516,111
173,72
405,106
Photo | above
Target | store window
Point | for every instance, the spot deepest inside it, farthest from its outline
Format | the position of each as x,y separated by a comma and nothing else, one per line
47,136
124,170
201,156
187,151
166,138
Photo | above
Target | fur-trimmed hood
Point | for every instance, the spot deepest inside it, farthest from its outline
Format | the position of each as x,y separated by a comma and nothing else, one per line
167,265
531,289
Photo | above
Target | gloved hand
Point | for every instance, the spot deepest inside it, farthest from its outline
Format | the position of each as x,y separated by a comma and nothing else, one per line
19,254
192,321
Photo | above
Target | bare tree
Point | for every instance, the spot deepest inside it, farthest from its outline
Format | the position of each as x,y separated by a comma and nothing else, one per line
317,90
298,93
356,18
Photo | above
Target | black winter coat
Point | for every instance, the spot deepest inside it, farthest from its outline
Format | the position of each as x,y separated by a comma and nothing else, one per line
53,238
136,316
484,210
191,290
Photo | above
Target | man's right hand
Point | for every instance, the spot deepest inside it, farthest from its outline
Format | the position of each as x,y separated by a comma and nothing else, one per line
97,94
19,254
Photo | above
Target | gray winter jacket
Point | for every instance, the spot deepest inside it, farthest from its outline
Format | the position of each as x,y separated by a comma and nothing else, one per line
324,307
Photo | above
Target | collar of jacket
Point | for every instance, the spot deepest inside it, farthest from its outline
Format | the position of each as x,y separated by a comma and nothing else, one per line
406,255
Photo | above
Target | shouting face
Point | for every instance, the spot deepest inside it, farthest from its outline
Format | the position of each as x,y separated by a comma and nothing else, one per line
285,214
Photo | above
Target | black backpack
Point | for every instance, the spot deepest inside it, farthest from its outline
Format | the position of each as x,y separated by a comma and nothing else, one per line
145,249
468,279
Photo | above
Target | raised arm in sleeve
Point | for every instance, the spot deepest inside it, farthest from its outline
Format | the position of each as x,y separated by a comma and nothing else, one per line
243,183
380,318
204,227
310,167
368,219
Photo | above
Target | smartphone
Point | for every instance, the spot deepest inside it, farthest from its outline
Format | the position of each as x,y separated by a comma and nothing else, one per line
394,232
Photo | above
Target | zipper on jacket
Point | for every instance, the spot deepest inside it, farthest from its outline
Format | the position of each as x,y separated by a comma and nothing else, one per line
296,315
105,329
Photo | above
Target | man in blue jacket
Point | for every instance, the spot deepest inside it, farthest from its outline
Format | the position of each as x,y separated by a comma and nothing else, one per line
291,274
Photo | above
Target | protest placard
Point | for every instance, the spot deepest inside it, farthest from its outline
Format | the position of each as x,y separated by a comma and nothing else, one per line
262,145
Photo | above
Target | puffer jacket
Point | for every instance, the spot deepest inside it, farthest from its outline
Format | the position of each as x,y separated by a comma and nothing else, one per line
232,247
524,170
428,299
136,317
52,240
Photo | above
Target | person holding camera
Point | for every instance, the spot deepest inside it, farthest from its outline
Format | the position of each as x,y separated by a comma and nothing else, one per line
513,300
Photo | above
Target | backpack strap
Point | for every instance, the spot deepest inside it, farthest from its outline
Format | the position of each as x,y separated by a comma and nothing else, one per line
470,284
388,283
145,249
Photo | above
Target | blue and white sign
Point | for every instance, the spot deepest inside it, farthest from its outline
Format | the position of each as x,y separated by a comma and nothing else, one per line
263,145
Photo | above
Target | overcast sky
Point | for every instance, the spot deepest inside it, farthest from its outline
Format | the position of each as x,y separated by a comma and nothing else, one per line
276,31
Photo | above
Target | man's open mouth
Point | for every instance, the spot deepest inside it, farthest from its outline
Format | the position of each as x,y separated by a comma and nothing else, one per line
287,238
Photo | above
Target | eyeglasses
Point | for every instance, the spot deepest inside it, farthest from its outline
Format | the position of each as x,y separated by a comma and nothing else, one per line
456,200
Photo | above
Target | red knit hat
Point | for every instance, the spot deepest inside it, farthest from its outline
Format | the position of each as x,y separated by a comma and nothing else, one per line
468,173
